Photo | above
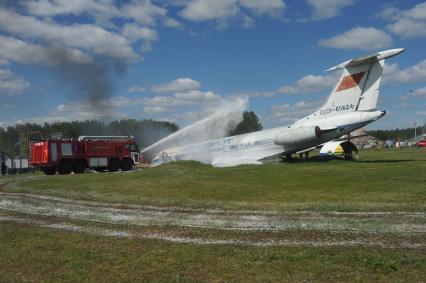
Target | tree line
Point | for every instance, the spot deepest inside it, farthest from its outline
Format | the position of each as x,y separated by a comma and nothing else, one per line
402,134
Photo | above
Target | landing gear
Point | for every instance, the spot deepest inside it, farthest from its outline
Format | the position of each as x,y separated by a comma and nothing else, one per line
348,155
306,155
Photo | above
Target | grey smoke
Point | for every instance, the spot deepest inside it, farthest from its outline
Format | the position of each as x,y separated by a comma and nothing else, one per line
92,81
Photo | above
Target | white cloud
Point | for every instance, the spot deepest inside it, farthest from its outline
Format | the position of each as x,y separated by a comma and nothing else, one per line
178,85
186,93
196,95
311,84
325,9
416,93
407,23
144,12
86,36
135,32
10,84
122,102
224,10
268,93
392,74
190,98
154,109
166,101
12,49
172,23
247,21
359,38
288,113
420,92
272,7
76,7
406,28
204,10
137,88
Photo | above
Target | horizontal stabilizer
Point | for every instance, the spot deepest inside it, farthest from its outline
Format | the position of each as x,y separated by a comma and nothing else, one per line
368,59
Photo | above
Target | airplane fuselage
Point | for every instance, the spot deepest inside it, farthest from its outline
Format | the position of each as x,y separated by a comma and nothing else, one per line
262,144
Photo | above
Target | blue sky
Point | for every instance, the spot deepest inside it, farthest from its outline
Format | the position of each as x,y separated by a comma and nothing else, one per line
177,60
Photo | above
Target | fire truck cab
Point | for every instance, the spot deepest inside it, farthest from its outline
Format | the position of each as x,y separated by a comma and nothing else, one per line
95,152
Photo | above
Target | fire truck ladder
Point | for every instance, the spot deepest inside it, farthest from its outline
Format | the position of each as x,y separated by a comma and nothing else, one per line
105,138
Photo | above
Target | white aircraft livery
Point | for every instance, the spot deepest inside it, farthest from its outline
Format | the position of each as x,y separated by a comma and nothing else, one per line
351,105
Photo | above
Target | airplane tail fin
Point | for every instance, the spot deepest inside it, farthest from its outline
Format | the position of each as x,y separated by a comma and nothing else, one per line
358,86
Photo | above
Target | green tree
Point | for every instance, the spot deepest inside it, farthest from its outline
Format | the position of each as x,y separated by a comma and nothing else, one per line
250,123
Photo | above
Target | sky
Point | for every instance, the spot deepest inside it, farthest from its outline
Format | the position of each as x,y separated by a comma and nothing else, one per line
179,60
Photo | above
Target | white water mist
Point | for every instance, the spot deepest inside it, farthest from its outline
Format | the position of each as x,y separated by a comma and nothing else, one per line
224,117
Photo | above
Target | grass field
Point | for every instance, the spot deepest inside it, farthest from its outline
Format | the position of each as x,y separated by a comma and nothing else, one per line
34,254
387,179
187,222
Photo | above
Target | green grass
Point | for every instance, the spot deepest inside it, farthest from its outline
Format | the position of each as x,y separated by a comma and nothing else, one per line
392,180
383,180
35,254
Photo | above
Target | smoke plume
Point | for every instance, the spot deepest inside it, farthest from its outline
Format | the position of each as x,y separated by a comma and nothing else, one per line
91,81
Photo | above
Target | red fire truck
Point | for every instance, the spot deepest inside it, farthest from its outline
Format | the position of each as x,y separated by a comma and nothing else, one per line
96,152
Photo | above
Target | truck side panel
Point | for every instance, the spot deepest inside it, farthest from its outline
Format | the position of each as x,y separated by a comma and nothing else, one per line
39,153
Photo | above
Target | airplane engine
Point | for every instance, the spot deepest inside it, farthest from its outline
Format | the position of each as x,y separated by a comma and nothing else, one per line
292,136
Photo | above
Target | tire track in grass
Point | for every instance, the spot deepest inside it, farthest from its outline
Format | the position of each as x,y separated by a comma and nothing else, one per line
347,222
170,237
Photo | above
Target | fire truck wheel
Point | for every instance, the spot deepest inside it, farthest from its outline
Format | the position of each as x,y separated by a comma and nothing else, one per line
126,164
51,170
79,166
113,165
65,167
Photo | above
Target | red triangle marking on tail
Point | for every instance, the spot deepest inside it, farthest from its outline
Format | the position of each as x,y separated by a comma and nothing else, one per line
350,81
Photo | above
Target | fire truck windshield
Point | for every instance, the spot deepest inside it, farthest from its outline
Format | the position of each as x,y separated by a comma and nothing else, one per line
133,148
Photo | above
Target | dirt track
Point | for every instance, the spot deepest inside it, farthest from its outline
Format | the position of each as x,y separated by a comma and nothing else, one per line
372,229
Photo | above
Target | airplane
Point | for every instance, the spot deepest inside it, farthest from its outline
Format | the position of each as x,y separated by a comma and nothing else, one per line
352,104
